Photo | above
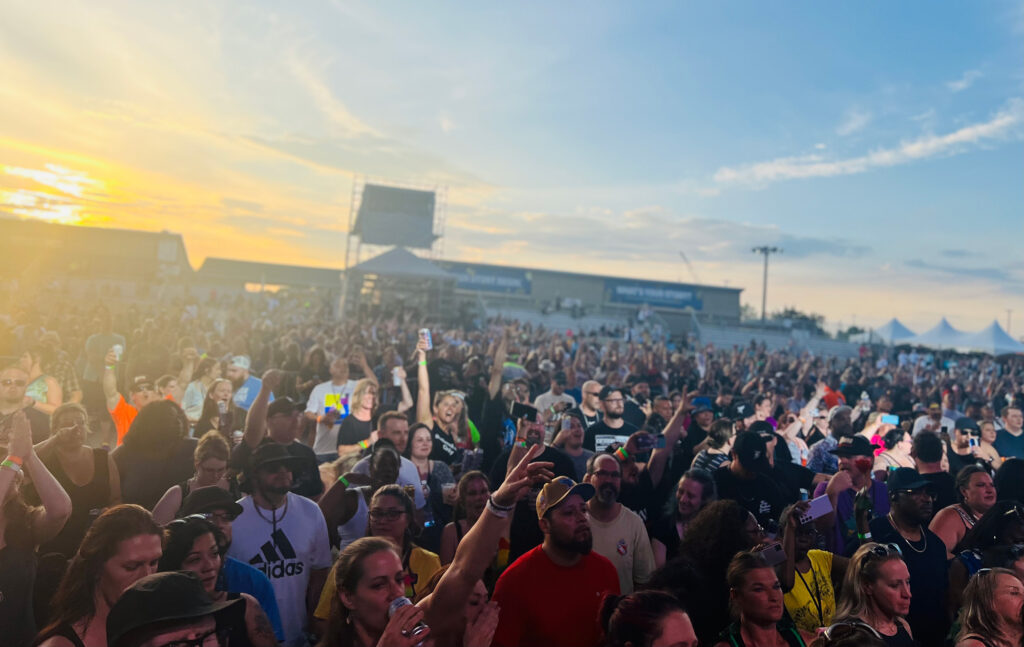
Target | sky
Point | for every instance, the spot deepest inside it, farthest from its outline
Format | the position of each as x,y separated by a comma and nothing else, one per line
880,145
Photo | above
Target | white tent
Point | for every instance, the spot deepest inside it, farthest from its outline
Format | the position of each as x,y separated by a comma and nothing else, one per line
993,340
943,335
891,332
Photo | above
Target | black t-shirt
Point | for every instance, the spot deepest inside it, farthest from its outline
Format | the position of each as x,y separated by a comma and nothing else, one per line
945,490
444,449
928,580
633,414
760,495
353,430
306,478
791,478
664,530
525,534
602,429
641,498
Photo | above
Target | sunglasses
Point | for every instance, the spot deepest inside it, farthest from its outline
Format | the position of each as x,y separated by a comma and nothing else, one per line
847,628
9,382
882,551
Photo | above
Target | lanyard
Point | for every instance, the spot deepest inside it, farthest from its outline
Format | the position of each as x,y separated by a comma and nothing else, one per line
816,599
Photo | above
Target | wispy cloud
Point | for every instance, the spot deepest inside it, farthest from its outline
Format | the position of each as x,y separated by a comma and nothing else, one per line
965,81
854,120
999,274
1004,124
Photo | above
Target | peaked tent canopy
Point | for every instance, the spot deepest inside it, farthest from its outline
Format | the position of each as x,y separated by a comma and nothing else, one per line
891,332
993,340
943,335
401,262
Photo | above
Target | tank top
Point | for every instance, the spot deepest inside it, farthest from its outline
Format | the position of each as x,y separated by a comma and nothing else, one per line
37,389
87,502
356,527
965,516
734,638
900,639
17,576
63,631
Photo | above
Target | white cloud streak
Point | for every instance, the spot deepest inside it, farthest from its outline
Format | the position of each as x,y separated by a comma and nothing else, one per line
1004,124
855,120
965,81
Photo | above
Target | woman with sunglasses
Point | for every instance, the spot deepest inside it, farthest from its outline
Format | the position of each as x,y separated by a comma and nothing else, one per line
876,591
991,615
756,602
211,462
196,545
808,573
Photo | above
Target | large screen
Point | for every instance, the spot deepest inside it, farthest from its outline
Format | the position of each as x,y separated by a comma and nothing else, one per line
392,216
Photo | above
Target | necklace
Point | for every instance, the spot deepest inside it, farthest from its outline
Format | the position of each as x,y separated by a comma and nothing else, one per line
273,521
924,537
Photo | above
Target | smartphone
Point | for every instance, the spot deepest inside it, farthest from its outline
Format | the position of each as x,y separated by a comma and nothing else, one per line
520,410
647,442
773,554
819,507
972,441
889,419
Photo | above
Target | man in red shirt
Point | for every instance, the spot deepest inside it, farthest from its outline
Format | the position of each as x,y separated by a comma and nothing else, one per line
552,594
140,391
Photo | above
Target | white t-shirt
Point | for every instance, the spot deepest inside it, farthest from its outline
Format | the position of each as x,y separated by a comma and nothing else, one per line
926,420
626,544
287,556
548,399
328,394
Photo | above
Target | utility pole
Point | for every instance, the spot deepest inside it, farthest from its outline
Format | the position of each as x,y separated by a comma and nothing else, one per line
766,251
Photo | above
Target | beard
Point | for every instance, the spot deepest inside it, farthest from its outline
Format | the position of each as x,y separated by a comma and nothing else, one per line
581,546
613,415
608,494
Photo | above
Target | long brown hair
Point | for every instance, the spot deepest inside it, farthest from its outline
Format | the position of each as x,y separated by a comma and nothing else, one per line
347,572
74,600
979,616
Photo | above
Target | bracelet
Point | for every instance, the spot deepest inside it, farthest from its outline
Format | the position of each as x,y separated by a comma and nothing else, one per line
505,508
11,466
110,367
343,480
621,454
15,459
864,536
363,444
496,511
423,362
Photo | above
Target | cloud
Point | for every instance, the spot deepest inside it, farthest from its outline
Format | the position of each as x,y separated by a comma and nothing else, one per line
1000,275
965,81
1004,124
854,120
957,253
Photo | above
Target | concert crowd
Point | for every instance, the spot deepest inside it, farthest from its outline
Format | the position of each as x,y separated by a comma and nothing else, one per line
253,470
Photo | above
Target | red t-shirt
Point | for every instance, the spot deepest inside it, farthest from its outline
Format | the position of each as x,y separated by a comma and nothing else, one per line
543,603
833,398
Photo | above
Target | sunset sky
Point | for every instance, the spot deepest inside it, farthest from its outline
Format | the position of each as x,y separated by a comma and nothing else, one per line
880,144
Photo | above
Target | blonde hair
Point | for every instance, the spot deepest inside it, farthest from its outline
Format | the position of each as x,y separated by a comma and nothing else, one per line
978,615
864,569
359,393
212,444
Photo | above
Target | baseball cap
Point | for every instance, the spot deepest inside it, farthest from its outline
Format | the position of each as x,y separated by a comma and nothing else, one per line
854,446
140,383
207,499
751,451
905,478
546,365
159,598
836,410
740,409
556,491
608,390
934,406
283,405
963,423
241,361
700,405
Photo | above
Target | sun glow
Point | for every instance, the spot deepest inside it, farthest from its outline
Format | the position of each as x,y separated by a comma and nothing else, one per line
65,203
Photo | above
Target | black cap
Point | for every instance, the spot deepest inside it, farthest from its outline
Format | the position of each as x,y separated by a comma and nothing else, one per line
854,446
751,450
905,478
608,390
284,405
740,409
175,595
963,423
207,499
272,452
762,427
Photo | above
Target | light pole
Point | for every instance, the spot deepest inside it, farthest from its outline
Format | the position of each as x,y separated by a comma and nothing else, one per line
766,251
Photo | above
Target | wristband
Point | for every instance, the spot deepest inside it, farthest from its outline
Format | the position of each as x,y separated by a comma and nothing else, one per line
11,466
864,536
496,511
503,508
15,459
343,480
621,454
363,444
423,362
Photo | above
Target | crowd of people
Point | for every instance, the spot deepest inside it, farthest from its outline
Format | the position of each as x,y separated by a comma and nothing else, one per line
253,471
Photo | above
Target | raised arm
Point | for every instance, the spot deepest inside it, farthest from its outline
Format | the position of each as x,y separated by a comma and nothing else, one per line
110,380
674,432
500,355
406,402
189,359
49,519
423,410
256,419
443,608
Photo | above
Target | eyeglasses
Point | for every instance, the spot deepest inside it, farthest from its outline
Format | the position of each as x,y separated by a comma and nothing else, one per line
596,394
614,400
390,515
222,517
847,628
220,635
608,475
9,382
928,492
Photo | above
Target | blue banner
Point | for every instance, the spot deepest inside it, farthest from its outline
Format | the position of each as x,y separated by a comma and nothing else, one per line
485,278
663,295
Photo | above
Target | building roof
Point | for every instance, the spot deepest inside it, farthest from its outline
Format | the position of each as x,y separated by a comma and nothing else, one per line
221,269
401,262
